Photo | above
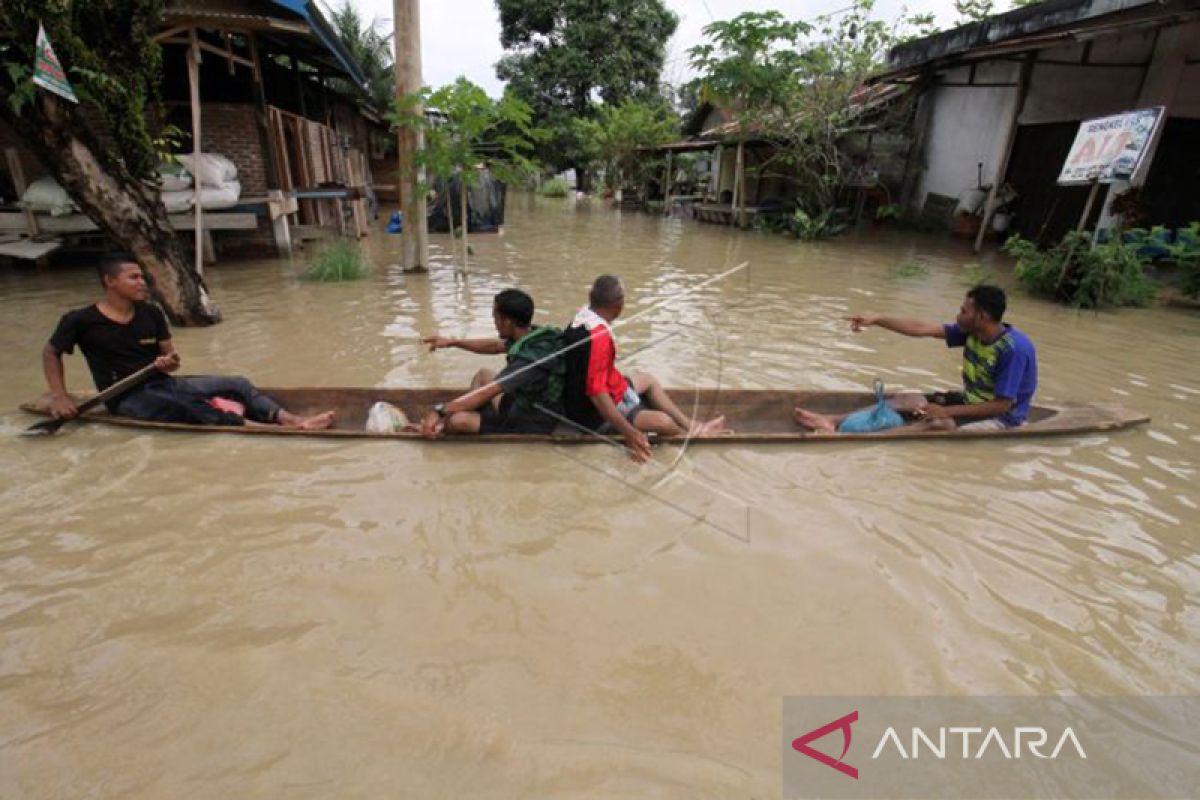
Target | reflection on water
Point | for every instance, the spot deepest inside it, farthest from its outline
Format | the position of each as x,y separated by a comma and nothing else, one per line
225,616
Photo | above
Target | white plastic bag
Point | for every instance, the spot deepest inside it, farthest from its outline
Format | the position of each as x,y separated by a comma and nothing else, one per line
45,196
385,418
214,198
178,202
214,169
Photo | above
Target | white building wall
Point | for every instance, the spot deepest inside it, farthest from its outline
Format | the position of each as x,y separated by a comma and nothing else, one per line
966,128
968,124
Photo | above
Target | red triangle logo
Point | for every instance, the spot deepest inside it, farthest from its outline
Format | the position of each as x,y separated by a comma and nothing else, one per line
800,744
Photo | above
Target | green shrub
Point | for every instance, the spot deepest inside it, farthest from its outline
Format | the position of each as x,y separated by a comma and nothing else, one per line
341,259
555,187
908,268
977,275
1078,274
1186,254
888,211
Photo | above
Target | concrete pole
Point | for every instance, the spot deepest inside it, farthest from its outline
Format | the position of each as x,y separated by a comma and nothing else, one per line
414,239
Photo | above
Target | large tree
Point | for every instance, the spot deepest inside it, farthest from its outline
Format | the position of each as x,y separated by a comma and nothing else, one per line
563,57
107,50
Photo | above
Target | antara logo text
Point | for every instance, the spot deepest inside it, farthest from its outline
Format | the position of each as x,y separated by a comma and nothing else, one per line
943,743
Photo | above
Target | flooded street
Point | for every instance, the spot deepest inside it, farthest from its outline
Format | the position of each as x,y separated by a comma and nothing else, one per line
222,616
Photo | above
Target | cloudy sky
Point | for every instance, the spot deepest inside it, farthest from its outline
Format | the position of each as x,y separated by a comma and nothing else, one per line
462,37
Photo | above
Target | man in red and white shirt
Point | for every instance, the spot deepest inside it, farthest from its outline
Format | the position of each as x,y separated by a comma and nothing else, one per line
599,397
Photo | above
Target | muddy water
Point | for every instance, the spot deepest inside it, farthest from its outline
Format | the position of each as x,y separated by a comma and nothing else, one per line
223,616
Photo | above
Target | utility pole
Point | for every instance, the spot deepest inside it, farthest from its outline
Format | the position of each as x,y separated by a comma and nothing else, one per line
414,237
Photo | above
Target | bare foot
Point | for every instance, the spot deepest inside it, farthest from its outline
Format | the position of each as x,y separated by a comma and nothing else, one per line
714,427
814,421
317,422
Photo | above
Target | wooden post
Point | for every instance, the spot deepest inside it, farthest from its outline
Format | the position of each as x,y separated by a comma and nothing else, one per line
739,184
295,71
264,124
465,214
18,177
414,237
989,205
193,65
1087,207
667,187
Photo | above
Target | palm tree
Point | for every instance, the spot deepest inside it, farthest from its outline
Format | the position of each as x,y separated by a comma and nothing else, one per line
371,47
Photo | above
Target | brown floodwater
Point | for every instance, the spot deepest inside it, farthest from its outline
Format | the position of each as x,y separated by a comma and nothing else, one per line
216,616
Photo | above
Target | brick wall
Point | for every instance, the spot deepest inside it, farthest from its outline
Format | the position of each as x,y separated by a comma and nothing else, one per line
232,130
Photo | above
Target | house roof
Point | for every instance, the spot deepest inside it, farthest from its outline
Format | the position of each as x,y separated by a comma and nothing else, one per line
1033,27
296,26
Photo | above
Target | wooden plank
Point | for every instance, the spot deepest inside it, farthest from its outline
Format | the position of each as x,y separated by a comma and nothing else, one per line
18,178
193,65
11,222
28,249
302,232
215,222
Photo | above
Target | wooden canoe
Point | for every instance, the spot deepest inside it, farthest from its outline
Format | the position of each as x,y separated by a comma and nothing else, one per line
756,415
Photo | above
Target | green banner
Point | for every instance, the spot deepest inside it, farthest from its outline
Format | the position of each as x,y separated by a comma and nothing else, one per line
48,72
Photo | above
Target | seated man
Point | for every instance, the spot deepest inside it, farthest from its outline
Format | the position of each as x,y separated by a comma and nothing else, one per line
999,369
599,398
121,334
526,397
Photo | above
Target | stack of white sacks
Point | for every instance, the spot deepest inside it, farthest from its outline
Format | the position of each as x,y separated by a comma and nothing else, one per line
219,186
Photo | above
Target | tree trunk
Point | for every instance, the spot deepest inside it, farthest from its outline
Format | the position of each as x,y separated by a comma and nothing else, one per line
126,209
583,180
466,214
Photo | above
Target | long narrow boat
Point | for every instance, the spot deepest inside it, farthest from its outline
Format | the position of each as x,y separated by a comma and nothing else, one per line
756,415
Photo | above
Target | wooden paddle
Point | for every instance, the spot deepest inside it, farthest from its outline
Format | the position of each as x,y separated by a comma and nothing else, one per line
120,387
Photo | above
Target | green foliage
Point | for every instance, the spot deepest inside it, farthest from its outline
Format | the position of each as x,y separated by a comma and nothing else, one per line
1078,274
107,50
889,211
793,83
973,10
564,56
371,49
1185,252
555,187
341,259
977,275
613,139
467,128
811,227
908,268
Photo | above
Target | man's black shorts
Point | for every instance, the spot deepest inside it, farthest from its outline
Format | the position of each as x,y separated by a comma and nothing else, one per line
507,421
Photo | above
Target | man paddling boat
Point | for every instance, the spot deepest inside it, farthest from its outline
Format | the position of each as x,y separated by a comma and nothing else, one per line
600,398
526,396
122,334
999,369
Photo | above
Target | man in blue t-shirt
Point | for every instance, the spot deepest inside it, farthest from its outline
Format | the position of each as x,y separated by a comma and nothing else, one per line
999,369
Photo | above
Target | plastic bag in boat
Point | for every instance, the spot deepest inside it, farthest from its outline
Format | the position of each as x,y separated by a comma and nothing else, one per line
385,418
880,418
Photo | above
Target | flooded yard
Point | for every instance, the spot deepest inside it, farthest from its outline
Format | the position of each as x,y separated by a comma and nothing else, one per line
220,616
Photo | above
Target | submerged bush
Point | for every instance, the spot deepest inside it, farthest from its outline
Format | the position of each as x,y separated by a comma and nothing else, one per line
555,187
341,259
908,268
1107,275
1185,252
977,275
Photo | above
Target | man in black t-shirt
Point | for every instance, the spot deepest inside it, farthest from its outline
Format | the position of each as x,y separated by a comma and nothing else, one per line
123,334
